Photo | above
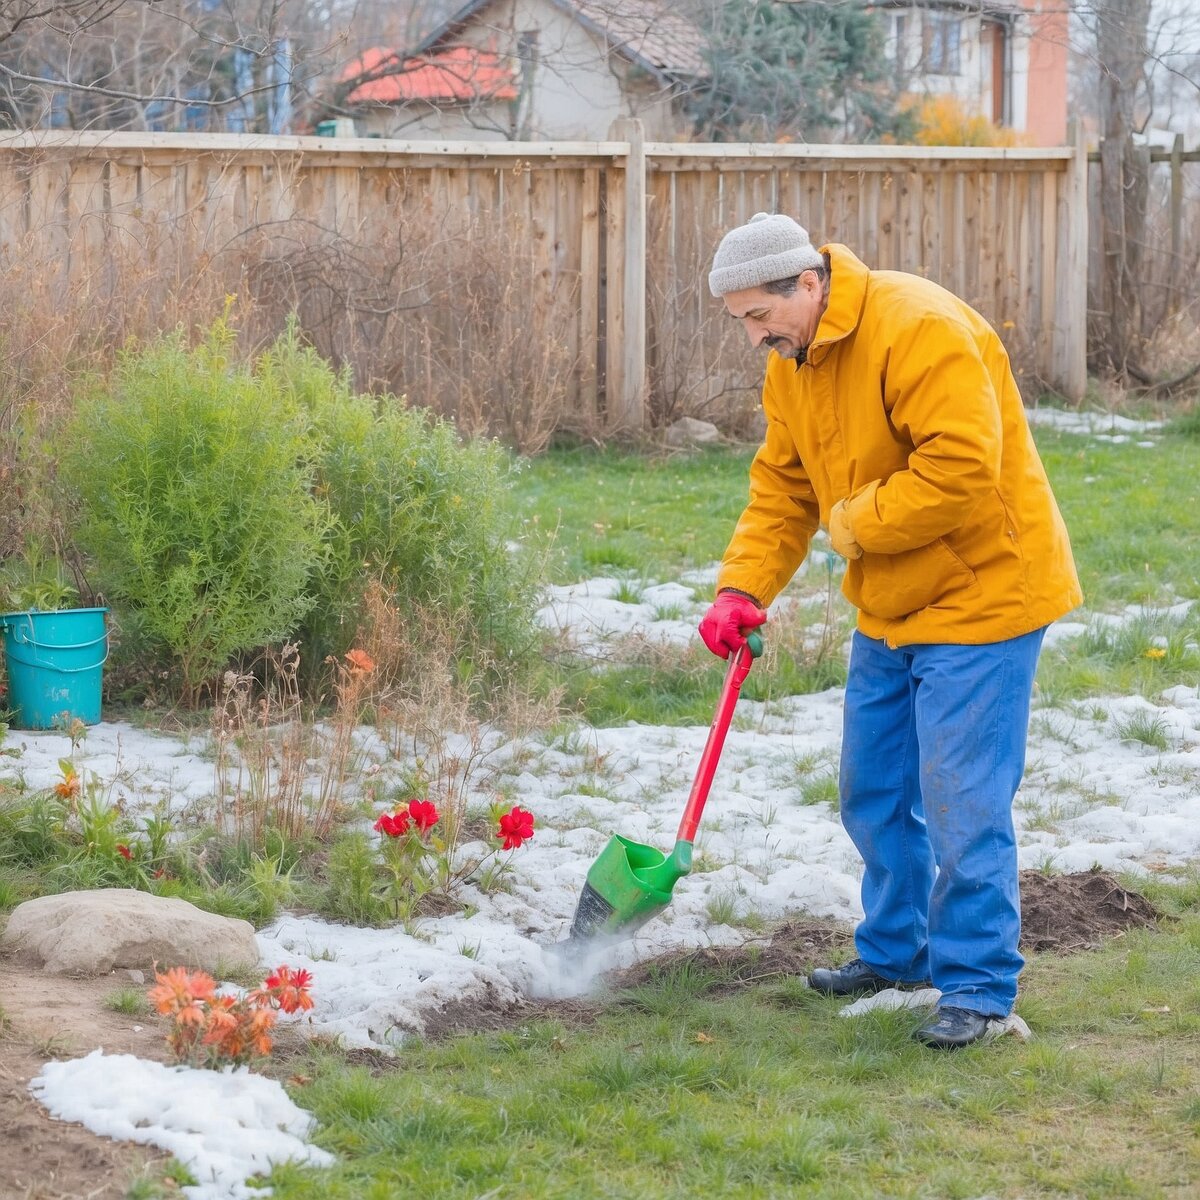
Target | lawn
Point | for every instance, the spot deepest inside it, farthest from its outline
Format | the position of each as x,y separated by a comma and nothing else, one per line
687,1084
698,1079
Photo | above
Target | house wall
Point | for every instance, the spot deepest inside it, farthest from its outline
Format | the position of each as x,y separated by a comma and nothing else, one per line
1046,120
575,91
1036,57
478,122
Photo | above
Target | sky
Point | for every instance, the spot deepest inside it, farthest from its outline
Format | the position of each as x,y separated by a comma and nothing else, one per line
764,852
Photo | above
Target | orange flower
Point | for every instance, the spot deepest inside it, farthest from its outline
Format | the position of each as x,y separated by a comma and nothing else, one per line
68,788
124,851
257,1030
360,660
182,993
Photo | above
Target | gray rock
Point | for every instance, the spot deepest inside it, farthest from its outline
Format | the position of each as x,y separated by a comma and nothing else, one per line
93,933
688,431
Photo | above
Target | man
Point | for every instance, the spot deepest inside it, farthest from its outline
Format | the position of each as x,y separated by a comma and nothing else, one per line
893,419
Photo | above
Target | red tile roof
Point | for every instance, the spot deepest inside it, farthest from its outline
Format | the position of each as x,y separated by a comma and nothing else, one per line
443,76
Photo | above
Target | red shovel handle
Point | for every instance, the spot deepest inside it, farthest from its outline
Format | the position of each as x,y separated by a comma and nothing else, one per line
735,676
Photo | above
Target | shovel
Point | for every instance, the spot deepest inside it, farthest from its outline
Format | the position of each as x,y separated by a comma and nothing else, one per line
630,882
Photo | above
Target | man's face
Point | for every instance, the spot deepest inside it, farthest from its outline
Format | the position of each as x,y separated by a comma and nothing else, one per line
786,324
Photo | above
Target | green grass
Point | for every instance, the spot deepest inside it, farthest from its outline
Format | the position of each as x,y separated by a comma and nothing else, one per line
679,1090
1132,515
683,690
605,512
1129,509
129,1001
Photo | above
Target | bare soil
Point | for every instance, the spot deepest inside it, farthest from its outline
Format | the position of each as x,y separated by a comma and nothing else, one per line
50,1017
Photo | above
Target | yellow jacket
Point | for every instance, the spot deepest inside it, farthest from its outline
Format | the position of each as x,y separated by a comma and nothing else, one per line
908,409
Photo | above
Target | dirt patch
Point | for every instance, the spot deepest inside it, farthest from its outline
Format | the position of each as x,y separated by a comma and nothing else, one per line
1061,914
793,948
50,1017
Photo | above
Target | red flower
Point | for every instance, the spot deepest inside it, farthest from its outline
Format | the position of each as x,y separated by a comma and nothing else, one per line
393,824
424,814
124,851
290,988
516,826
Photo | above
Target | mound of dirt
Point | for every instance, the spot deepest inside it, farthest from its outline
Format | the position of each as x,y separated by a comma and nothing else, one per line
1061,914
793,948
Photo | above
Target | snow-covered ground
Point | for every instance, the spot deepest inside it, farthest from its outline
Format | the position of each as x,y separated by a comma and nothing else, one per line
765,850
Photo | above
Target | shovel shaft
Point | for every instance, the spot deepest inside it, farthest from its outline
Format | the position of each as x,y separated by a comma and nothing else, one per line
735,676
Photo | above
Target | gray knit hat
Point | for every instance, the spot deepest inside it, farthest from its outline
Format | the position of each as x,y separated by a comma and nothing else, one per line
768,247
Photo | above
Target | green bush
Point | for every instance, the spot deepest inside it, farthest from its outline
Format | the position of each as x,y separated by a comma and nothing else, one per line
412,507
193,477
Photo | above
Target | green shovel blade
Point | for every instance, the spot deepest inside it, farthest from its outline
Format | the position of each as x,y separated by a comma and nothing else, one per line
628,884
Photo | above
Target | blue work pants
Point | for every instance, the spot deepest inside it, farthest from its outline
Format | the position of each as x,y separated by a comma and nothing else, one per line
933,750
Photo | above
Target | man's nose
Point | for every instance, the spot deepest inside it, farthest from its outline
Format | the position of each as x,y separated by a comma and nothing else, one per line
756,333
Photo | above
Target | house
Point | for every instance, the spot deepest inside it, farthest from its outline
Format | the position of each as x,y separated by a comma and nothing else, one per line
1005,60
532,69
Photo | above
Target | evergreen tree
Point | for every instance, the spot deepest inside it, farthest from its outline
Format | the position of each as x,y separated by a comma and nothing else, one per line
783,71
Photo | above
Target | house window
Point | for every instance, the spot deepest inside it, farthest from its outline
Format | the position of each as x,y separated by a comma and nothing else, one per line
943,39
893,47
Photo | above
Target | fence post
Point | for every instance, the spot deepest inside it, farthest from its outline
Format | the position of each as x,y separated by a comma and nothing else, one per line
1069,345
1175,266
626,394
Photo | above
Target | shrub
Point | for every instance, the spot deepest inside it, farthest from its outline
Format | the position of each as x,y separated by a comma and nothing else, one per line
944,121
193,476
412,508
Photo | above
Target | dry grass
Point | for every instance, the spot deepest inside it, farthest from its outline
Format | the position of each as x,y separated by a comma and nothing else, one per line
454,316
448,725
266,741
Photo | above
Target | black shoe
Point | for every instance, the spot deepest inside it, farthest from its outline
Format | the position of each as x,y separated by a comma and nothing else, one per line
854,979
951,1028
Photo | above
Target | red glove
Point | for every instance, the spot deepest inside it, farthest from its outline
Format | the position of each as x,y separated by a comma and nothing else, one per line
727,621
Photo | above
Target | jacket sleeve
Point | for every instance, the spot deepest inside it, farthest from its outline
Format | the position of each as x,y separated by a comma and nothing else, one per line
940,399
774,530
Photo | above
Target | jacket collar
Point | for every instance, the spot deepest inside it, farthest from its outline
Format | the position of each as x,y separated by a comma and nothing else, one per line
847,292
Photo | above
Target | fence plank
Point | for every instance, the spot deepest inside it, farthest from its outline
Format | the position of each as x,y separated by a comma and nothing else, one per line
589,298
1000,227
630,399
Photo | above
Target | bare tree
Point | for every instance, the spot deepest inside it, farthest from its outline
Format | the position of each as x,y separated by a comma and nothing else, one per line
168,64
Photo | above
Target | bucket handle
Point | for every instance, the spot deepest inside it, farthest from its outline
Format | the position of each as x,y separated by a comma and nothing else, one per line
46,666
30,640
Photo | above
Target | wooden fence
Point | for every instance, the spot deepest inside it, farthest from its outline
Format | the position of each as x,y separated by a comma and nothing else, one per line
618,234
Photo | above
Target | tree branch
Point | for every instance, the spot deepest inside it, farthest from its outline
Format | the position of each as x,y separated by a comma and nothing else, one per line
95,89
1168,385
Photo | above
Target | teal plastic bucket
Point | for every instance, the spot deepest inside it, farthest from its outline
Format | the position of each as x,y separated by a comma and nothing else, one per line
54,662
